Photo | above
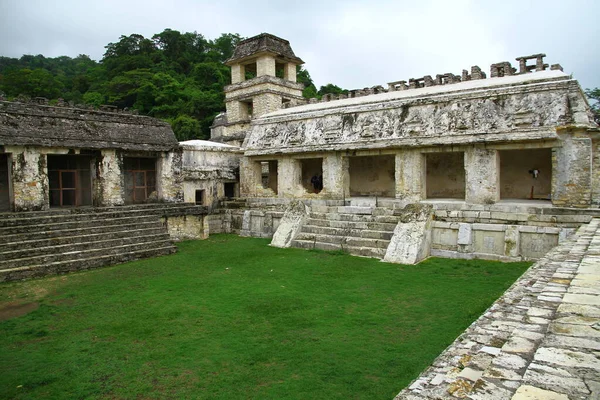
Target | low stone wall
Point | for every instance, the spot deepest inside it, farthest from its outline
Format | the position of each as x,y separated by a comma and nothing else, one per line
187,227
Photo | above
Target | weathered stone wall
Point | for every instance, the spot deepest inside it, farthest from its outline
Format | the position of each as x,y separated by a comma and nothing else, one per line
482,177
110,183
572,170
187,227
596,173
29,178
169,176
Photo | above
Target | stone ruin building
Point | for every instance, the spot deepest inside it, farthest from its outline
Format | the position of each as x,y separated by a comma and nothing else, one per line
457,165
84,188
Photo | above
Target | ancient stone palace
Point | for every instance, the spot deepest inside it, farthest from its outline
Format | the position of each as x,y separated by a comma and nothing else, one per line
459,165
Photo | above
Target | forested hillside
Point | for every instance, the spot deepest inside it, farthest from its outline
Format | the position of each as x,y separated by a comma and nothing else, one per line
178,77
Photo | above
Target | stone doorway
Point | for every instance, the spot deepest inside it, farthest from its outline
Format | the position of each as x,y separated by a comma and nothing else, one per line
140,178
445,175
372,175
269,175
69,180
312,174
4,183
526,174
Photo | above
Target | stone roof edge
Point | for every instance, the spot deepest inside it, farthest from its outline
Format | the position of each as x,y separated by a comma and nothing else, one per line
78,114
391,144
376,101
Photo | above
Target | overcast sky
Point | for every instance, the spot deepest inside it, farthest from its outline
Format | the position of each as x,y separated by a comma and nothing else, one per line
353,44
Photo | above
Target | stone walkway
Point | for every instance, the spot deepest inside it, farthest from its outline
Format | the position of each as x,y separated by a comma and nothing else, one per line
540,340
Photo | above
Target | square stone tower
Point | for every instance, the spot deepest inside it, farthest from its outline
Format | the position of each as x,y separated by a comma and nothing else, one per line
263,78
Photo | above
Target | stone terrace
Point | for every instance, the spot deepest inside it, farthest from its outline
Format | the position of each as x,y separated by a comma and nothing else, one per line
540,340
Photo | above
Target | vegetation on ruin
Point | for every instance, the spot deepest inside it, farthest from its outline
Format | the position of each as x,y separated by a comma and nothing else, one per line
231,317
594,96
178,77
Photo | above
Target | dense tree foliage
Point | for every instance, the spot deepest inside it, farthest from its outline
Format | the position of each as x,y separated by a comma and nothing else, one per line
178,77
594,95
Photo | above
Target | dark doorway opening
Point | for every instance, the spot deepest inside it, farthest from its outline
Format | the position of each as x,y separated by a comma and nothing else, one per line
229,190
200,197
445,175
4,183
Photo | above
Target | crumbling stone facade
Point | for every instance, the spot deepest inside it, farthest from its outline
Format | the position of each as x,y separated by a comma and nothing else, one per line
61,156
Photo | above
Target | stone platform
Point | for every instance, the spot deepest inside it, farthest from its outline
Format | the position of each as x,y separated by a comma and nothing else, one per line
540,340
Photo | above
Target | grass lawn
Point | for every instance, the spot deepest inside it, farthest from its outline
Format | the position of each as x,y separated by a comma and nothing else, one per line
231,318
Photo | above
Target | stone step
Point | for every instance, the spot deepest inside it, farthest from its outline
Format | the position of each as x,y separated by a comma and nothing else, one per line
43,233
47,217
82,254
92,209
355,210
369,225
356,251
364,233
344,240
54,226
79,243
61,267
391,219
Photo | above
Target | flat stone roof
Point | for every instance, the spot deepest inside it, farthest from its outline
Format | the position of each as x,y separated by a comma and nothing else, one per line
473,86
27,124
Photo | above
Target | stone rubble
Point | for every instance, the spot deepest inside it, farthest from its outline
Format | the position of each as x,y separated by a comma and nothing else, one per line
540,340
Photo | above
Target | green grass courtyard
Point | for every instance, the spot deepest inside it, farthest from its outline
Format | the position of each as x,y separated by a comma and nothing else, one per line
232,318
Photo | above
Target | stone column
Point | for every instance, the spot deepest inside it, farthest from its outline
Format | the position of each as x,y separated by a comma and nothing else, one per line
482,176
111,188
236,111
265,65
335,176
596,173
289,178
237,73
250,177
29,175
410,176
289,72
169,178
572,171
265,103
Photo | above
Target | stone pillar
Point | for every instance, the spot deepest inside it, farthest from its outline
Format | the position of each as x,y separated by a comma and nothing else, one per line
265,103
265,65
596,173
290,178
410,176
236,111
482,176
335,176
238,73
289,73
111,189
250,177
29,175
169,178
572,171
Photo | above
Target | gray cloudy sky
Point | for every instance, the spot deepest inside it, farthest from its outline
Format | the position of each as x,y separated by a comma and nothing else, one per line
353,44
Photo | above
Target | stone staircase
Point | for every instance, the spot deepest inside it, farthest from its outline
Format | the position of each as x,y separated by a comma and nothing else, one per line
34,244
360,228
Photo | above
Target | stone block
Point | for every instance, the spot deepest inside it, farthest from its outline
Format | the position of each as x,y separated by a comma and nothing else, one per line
488,242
